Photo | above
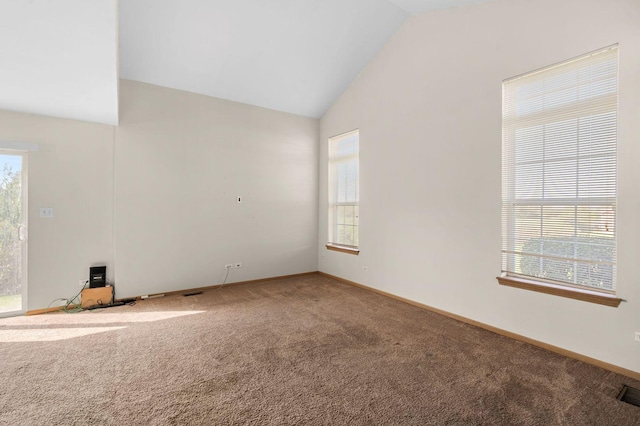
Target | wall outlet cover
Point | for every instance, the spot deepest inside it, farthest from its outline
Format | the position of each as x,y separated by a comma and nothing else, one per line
46,212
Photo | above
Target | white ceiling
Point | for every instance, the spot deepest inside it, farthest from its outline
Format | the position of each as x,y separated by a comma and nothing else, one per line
296,56
420,6
61,57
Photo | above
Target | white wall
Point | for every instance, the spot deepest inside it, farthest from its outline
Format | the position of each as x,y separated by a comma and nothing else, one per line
60,58
174,168
72,171
181,160
429,112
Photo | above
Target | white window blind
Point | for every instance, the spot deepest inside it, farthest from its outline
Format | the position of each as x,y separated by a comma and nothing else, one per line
344,196
559,173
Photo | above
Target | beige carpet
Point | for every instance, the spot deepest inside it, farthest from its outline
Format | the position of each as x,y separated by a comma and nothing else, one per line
294,351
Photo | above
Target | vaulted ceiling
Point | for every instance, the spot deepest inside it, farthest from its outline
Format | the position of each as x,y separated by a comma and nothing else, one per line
60,58
63,58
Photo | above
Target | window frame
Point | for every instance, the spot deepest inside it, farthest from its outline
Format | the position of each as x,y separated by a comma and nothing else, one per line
510,200
333,203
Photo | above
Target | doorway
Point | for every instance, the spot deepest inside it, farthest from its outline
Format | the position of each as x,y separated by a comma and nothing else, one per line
13,233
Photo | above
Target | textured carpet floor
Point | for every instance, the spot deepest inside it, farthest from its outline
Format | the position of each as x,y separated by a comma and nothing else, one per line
304,350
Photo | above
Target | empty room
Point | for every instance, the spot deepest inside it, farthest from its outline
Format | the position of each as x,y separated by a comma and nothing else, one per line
322,212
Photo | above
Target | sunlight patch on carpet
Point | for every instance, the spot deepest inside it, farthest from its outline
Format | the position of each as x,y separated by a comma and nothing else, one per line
89,317
50,334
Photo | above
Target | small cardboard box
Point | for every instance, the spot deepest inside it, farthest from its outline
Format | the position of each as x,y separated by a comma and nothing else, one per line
96,296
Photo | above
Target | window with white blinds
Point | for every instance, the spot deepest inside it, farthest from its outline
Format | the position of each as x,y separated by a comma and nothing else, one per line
344,196
559,172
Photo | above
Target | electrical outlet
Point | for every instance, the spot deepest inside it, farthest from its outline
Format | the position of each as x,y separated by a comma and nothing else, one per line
239,199
638,336
238,265
46,212
228,266
82,283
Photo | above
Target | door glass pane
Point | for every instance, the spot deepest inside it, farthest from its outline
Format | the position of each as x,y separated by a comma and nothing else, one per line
10,228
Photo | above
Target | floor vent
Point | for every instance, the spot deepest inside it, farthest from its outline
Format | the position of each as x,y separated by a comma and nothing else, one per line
630,396
192,294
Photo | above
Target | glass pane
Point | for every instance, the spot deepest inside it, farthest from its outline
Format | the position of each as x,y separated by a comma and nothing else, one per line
528,181
348,216
347,145
528,144
10,221
347,181
561,179
561,140
340,215
347,235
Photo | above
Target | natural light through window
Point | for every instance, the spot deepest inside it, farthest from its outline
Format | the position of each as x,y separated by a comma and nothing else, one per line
38,328
51,334
559,173
344,209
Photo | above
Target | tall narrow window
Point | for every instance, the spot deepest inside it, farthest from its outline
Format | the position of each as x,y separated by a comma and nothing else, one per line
344,209
559,173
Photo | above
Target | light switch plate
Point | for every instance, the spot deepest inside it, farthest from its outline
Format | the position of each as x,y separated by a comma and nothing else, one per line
46,211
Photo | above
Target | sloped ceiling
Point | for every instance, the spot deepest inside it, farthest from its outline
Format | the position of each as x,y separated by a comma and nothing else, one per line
289,55
61,57
416,7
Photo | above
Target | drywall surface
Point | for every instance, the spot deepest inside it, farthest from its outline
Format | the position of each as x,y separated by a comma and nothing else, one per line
72,172
429,112
181,161
293,56
60,58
